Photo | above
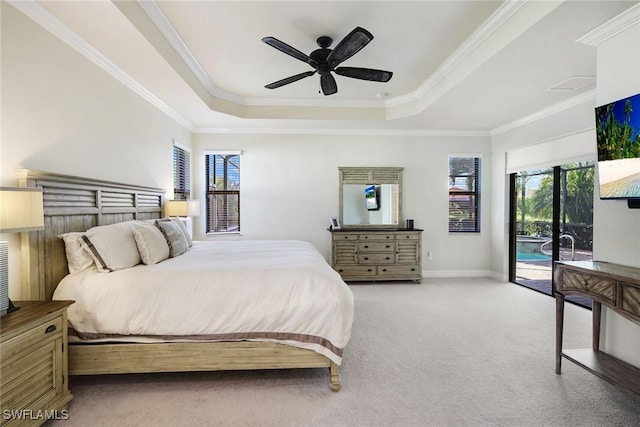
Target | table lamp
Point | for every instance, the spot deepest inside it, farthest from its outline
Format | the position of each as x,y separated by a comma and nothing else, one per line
184,209
21,209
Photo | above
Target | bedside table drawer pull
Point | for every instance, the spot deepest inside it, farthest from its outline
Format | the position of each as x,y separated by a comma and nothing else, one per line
50,328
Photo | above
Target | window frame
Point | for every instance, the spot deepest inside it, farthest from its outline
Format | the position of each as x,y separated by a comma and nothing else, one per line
209,192
474,194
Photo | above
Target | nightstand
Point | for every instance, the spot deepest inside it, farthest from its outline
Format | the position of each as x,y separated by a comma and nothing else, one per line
34,385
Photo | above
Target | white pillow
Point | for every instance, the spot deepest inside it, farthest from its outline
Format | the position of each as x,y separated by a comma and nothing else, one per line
77,258
151,243
174,237
112,247
183,228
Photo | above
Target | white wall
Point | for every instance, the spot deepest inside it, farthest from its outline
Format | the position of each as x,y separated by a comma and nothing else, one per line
616,236
289,188
62,114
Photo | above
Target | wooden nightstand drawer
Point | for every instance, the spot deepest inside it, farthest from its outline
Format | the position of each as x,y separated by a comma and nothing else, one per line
399,270
374,236
39,334
355,270
30,378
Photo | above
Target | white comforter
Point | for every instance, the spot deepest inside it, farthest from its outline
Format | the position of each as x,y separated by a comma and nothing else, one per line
256,290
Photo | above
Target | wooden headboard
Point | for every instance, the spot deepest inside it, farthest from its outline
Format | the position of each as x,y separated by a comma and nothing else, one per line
75,204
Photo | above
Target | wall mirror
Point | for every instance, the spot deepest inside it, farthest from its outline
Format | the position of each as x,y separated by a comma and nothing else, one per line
370,197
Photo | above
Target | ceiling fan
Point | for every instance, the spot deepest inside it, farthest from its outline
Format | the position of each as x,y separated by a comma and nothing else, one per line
325,60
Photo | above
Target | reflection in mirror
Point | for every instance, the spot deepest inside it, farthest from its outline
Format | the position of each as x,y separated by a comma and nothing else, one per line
369,204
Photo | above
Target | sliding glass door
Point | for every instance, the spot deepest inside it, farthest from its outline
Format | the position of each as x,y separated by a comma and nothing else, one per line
551,219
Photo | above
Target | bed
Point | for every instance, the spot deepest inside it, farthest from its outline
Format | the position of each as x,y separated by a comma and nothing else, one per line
201,330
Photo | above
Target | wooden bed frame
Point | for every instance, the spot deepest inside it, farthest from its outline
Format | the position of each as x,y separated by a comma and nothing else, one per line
77,204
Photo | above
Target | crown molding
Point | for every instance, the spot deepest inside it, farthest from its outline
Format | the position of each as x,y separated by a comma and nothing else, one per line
46,20
479,36
612,27
547,112
345,132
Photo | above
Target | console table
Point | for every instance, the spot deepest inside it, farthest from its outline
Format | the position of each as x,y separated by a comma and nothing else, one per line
615,286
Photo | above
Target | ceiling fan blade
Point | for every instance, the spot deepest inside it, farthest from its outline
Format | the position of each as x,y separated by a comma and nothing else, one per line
285,48
349,46
365,74
289,80
328,84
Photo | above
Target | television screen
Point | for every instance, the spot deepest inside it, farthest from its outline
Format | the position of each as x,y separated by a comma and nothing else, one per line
371,197
618,136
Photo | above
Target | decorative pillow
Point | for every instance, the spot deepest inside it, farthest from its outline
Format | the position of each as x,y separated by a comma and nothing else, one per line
151,243
183,228
112,247
77,258
174,236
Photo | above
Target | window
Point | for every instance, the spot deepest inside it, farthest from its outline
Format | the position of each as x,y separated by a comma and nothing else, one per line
181,173
464,194
222,172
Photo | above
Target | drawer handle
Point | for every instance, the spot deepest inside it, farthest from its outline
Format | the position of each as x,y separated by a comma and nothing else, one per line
366,237
387,258
340,271
384,269
346,237
388,237
407,237
366,258
369,270
366,246
413,269
50,329
388,247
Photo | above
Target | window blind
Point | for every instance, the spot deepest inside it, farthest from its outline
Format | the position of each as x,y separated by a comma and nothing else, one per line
181,173
464,194
223,192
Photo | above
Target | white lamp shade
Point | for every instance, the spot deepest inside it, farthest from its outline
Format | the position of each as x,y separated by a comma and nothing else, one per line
184,208
20,209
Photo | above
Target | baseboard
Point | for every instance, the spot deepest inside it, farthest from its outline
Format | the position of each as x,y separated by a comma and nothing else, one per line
456,273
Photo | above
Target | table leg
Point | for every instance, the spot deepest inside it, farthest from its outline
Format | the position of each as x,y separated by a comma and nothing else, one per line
597,316
559,327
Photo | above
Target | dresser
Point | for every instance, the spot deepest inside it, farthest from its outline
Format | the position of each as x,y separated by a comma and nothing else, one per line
618,288
34,363
377,254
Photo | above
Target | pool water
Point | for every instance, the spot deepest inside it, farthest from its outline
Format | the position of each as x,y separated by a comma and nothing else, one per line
532,256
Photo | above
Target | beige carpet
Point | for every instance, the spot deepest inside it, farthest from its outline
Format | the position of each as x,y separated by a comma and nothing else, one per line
447,352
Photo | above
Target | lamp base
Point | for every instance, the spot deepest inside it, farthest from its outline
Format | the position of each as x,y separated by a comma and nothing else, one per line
11,309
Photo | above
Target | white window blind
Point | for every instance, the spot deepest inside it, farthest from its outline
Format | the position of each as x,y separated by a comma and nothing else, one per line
181,173
222,174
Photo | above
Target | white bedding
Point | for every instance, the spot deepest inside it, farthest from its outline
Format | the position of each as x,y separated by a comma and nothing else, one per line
266,290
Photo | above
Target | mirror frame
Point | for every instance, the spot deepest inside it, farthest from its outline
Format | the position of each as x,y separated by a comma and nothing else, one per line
370,175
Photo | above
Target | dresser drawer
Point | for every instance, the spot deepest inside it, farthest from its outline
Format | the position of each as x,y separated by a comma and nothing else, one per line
376,259
376,247
599,287
381,236
348,271
40,334
400,271
342,237
630,299
408,236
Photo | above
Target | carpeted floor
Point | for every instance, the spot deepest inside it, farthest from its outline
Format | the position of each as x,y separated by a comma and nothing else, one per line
447,352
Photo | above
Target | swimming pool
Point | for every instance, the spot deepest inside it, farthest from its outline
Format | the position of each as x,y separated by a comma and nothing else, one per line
532,256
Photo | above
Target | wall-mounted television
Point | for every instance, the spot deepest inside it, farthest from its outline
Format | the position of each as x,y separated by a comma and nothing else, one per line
372,197
618,137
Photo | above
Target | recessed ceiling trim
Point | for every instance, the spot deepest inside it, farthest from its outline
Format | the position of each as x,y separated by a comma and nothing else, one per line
547,112
160,20
612,27
573,83
338,131
46,20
